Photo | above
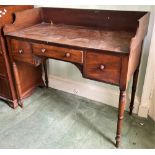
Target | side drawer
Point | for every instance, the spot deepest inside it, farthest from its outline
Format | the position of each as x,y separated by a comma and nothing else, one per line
61,53
102,67
21,51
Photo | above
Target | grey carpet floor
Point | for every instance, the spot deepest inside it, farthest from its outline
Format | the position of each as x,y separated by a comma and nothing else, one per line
55,119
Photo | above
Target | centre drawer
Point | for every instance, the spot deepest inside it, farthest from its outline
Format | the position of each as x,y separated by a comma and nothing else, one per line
21,51
60,53
102,67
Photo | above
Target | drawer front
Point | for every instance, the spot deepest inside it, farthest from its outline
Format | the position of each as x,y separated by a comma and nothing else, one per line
21,51
102,67
60,53
2,67
4,88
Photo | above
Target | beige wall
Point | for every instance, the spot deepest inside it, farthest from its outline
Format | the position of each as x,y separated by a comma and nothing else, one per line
152,106
148,95
70,72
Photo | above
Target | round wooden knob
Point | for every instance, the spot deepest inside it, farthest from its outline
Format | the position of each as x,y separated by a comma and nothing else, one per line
43,50
21,51
0,52
68,55
102,67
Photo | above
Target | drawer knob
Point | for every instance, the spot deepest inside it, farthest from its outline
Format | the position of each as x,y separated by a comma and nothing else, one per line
21,51
43,50
68,55
102,67
0,52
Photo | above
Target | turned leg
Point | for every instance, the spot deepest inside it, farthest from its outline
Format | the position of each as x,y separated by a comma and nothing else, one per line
134,85
122,103
45,71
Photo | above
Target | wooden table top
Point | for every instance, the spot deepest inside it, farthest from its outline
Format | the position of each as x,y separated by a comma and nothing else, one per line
116,41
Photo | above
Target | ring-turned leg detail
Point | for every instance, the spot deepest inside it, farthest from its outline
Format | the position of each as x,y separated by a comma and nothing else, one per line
122,103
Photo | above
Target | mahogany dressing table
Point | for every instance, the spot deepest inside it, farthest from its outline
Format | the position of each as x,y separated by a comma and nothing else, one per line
104,45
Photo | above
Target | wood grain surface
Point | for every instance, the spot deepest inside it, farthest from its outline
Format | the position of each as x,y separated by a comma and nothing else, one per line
116,41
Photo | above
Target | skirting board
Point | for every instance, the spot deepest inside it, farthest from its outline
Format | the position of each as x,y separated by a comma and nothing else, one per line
93,92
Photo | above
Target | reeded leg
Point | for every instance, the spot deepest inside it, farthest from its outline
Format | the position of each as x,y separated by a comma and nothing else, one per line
134,85
122,103
45,71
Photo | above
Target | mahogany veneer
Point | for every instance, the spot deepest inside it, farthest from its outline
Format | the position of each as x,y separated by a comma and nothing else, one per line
104,45
103,67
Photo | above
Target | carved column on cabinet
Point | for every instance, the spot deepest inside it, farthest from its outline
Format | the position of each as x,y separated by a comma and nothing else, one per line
14,102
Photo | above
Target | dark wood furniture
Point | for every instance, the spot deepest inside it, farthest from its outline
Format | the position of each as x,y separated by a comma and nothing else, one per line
28,76
104,45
